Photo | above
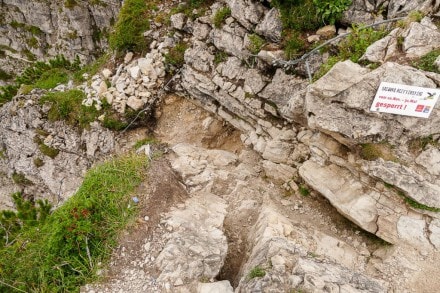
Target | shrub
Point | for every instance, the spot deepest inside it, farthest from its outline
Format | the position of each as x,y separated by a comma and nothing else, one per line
133,21
221,15
61,253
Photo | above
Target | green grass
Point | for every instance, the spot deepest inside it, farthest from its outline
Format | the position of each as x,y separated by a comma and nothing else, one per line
144,141
352,47
256,272
52,78
426,62
133,21
221,15
299,15
220,56
62,253
175,56
68,106
256,43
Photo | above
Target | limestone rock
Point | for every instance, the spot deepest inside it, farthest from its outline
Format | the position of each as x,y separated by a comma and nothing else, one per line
398,8
271,26
430,159
383,49
196,249
327,31
178,20
216,287
281,172
421,38
248,13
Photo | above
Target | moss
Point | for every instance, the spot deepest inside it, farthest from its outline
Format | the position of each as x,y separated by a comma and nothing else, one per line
48,151
38,162
374,151
426,62
20,179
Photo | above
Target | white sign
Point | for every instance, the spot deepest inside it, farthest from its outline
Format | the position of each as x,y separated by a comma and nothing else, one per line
405,100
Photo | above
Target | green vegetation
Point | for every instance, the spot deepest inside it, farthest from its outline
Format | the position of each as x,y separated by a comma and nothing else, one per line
426,62
220,56
374,151
62,251
133,21
26,216
221,15
293,45
190,6
48,151
411,202
352,47
91,68
144,141
43,74
299,15
68,106
330,11
20,179
175,57
256,272
420,144
256,43
303,190
70,4
4,75
38,162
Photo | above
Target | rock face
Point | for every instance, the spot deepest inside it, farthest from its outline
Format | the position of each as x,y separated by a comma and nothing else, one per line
41,29
50,158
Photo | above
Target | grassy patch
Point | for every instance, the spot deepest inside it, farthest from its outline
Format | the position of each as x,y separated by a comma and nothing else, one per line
48,151
374,151
192,8
51,78
293,44
175,56
420,144
221,15
411,202
144,141
20,179
256,43
426,62
330,11
64,251
352,47
38,162
256,272
220,56
68,106
133,21
300,15
4,75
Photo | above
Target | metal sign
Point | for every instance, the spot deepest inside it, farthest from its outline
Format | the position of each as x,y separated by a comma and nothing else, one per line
405,100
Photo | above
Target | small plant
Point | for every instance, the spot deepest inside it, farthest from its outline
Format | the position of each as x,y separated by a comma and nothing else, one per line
52,78
220,56
256,43
330,11
411,202
427,61
299,15
293,45
256,272
175,56
303,190
221,15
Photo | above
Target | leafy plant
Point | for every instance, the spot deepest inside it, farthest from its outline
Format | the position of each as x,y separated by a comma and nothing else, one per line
62,252
221,15
256,272
330,11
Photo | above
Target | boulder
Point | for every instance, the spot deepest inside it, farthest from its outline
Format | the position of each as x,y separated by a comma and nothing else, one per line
248,13
178,20
421,38
216,287
271,26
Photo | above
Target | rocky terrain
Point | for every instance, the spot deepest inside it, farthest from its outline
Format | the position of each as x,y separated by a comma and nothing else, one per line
268,183
37,30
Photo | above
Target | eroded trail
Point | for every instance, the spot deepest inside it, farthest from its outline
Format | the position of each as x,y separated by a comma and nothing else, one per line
215,216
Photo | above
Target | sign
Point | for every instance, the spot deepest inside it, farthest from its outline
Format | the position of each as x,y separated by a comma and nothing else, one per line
405,100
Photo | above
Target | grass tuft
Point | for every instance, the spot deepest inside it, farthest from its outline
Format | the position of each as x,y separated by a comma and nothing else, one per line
256,272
